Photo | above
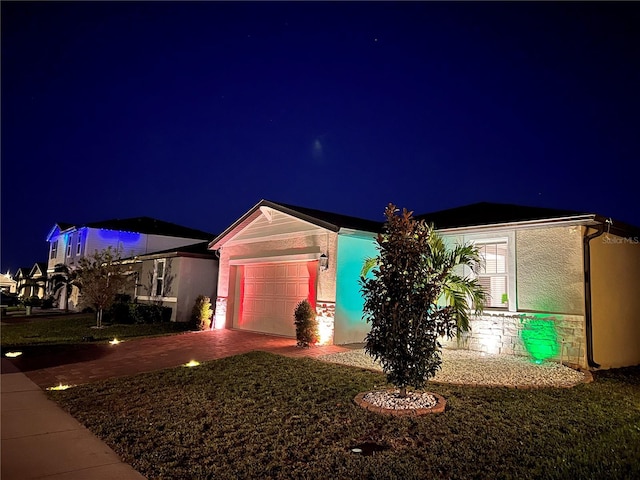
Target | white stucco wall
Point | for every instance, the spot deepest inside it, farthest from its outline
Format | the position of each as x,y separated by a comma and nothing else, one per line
549,265
197,276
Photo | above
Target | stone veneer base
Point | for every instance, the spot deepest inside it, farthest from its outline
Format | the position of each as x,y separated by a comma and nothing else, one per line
401,412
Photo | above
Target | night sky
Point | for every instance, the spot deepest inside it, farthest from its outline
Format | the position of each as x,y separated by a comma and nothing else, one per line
193,112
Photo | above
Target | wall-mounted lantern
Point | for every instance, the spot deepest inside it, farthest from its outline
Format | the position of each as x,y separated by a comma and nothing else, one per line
324,262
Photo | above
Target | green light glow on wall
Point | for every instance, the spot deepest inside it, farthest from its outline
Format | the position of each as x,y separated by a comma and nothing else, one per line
540,338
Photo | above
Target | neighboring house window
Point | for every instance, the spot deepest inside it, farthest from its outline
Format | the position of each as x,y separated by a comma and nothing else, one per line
158,275
54,250
79,245
493,275
69,248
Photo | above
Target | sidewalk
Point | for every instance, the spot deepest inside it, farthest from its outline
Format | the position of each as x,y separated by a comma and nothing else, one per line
40,440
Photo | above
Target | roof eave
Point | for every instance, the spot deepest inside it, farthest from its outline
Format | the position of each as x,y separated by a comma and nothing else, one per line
588,219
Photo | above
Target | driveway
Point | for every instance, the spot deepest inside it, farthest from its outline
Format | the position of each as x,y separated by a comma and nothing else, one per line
90,363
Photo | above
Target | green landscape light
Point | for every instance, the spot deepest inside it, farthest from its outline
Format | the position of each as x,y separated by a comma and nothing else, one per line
540,338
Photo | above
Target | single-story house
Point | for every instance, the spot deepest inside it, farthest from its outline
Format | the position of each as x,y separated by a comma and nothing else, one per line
560,282
175,277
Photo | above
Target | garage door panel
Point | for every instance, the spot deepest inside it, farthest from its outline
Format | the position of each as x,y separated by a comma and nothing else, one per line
270,295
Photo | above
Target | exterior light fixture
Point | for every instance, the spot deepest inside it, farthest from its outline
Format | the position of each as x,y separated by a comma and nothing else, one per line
324,262
192,363
12,354
60,387
115,341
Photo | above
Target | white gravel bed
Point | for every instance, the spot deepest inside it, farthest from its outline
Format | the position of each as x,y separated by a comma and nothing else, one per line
393,400
474,368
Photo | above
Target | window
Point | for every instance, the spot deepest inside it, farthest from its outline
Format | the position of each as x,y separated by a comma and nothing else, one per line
68,247
158,275
79,244
54,249
493,275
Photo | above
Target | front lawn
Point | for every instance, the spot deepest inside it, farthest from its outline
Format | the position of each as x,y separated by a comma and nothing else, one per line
73,328
261,415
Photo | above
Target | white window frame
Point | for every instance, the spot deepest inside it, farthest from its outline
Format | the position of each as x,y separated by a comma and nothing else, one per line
158,278
497,274
54,250
509,237
79,244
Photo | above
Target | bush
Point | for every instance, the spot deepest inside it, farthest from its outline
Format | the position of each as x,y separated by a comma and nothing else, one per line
32,301
201,313
306,324
119,313
143,313
48,302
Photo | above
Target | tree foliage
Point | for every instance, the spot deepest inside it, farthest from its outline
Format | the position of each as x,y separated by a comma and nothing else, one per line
100,278
414,296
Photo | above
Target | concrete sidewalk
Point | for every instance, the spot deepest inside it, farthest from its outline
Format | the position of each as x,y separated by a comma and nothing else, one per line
40,440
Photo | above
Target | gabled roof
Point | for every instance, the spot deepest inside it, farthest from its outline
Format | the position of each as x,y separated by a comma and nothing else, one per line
330,221
486,213
42,266
146,225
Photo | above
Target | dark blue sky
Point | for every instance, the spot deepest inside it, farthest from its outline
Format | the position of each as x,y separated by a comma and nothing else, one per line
193,112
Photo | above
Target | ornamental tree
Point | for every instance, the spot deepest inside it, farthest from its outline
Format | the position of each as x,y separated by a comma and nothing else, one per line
414,296
100,277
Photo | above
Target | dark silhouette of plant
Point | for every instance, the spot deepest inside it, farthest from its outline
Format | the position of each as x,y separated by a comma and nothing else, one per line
306,324
414,296
62,282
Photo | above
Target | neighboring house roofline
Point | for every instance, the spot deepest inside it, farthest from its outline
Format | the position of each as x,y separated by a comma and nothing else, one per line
143,225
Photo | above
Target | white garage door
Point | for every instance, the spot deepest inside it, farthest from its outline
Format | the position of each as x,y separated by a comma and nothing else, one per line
270,295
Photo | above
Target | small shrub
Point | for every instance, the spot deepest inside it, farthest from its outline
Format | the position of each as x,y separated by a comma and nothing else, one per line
306,324
202,313
143,313
47,303
32,301
119,313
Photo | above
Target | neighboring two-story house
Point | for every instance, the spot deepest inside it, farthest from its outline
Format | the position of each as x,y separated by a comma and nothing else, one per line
131,237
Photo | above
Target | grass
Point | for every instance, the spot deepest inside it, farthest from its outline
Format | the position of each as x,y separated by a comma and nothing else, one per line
71,330
261,415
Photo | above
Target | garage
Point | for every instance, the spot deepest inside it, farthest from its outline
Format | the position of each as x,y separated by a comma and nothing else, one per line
269,294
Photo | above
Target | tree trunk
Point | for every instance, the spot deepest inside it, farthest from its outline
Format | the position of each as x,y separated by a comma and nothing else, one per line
403,392
99,318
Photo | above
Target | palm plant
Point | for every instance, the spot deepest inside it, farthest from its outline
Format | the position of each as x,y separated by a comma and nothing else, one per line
62,282
463,294
415,296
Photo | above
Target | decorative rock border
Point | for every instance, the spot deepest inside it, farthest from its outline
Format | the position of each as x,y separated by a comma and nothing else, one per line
439,407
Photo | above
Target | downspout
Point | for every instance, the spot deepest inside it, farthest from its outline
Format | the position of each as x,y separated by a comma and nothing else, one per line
588,314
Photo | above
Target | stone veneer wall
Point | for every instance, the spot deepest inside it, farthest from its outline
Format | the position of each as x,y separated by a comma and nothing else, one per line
325,315
501,333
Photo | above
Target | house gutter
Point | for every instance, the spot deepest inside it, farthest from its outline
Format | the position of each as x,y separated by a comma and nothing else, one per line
588,313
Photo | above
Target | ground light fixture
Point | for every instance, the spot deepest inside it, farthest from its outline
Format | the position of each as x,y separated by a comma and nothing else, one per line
192,363
60,387
12,354
115,341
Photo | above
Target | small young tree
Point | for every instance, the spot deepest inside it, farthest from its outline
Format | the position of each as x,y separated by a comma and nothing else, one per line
100,277
306,324
415,296
202,313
